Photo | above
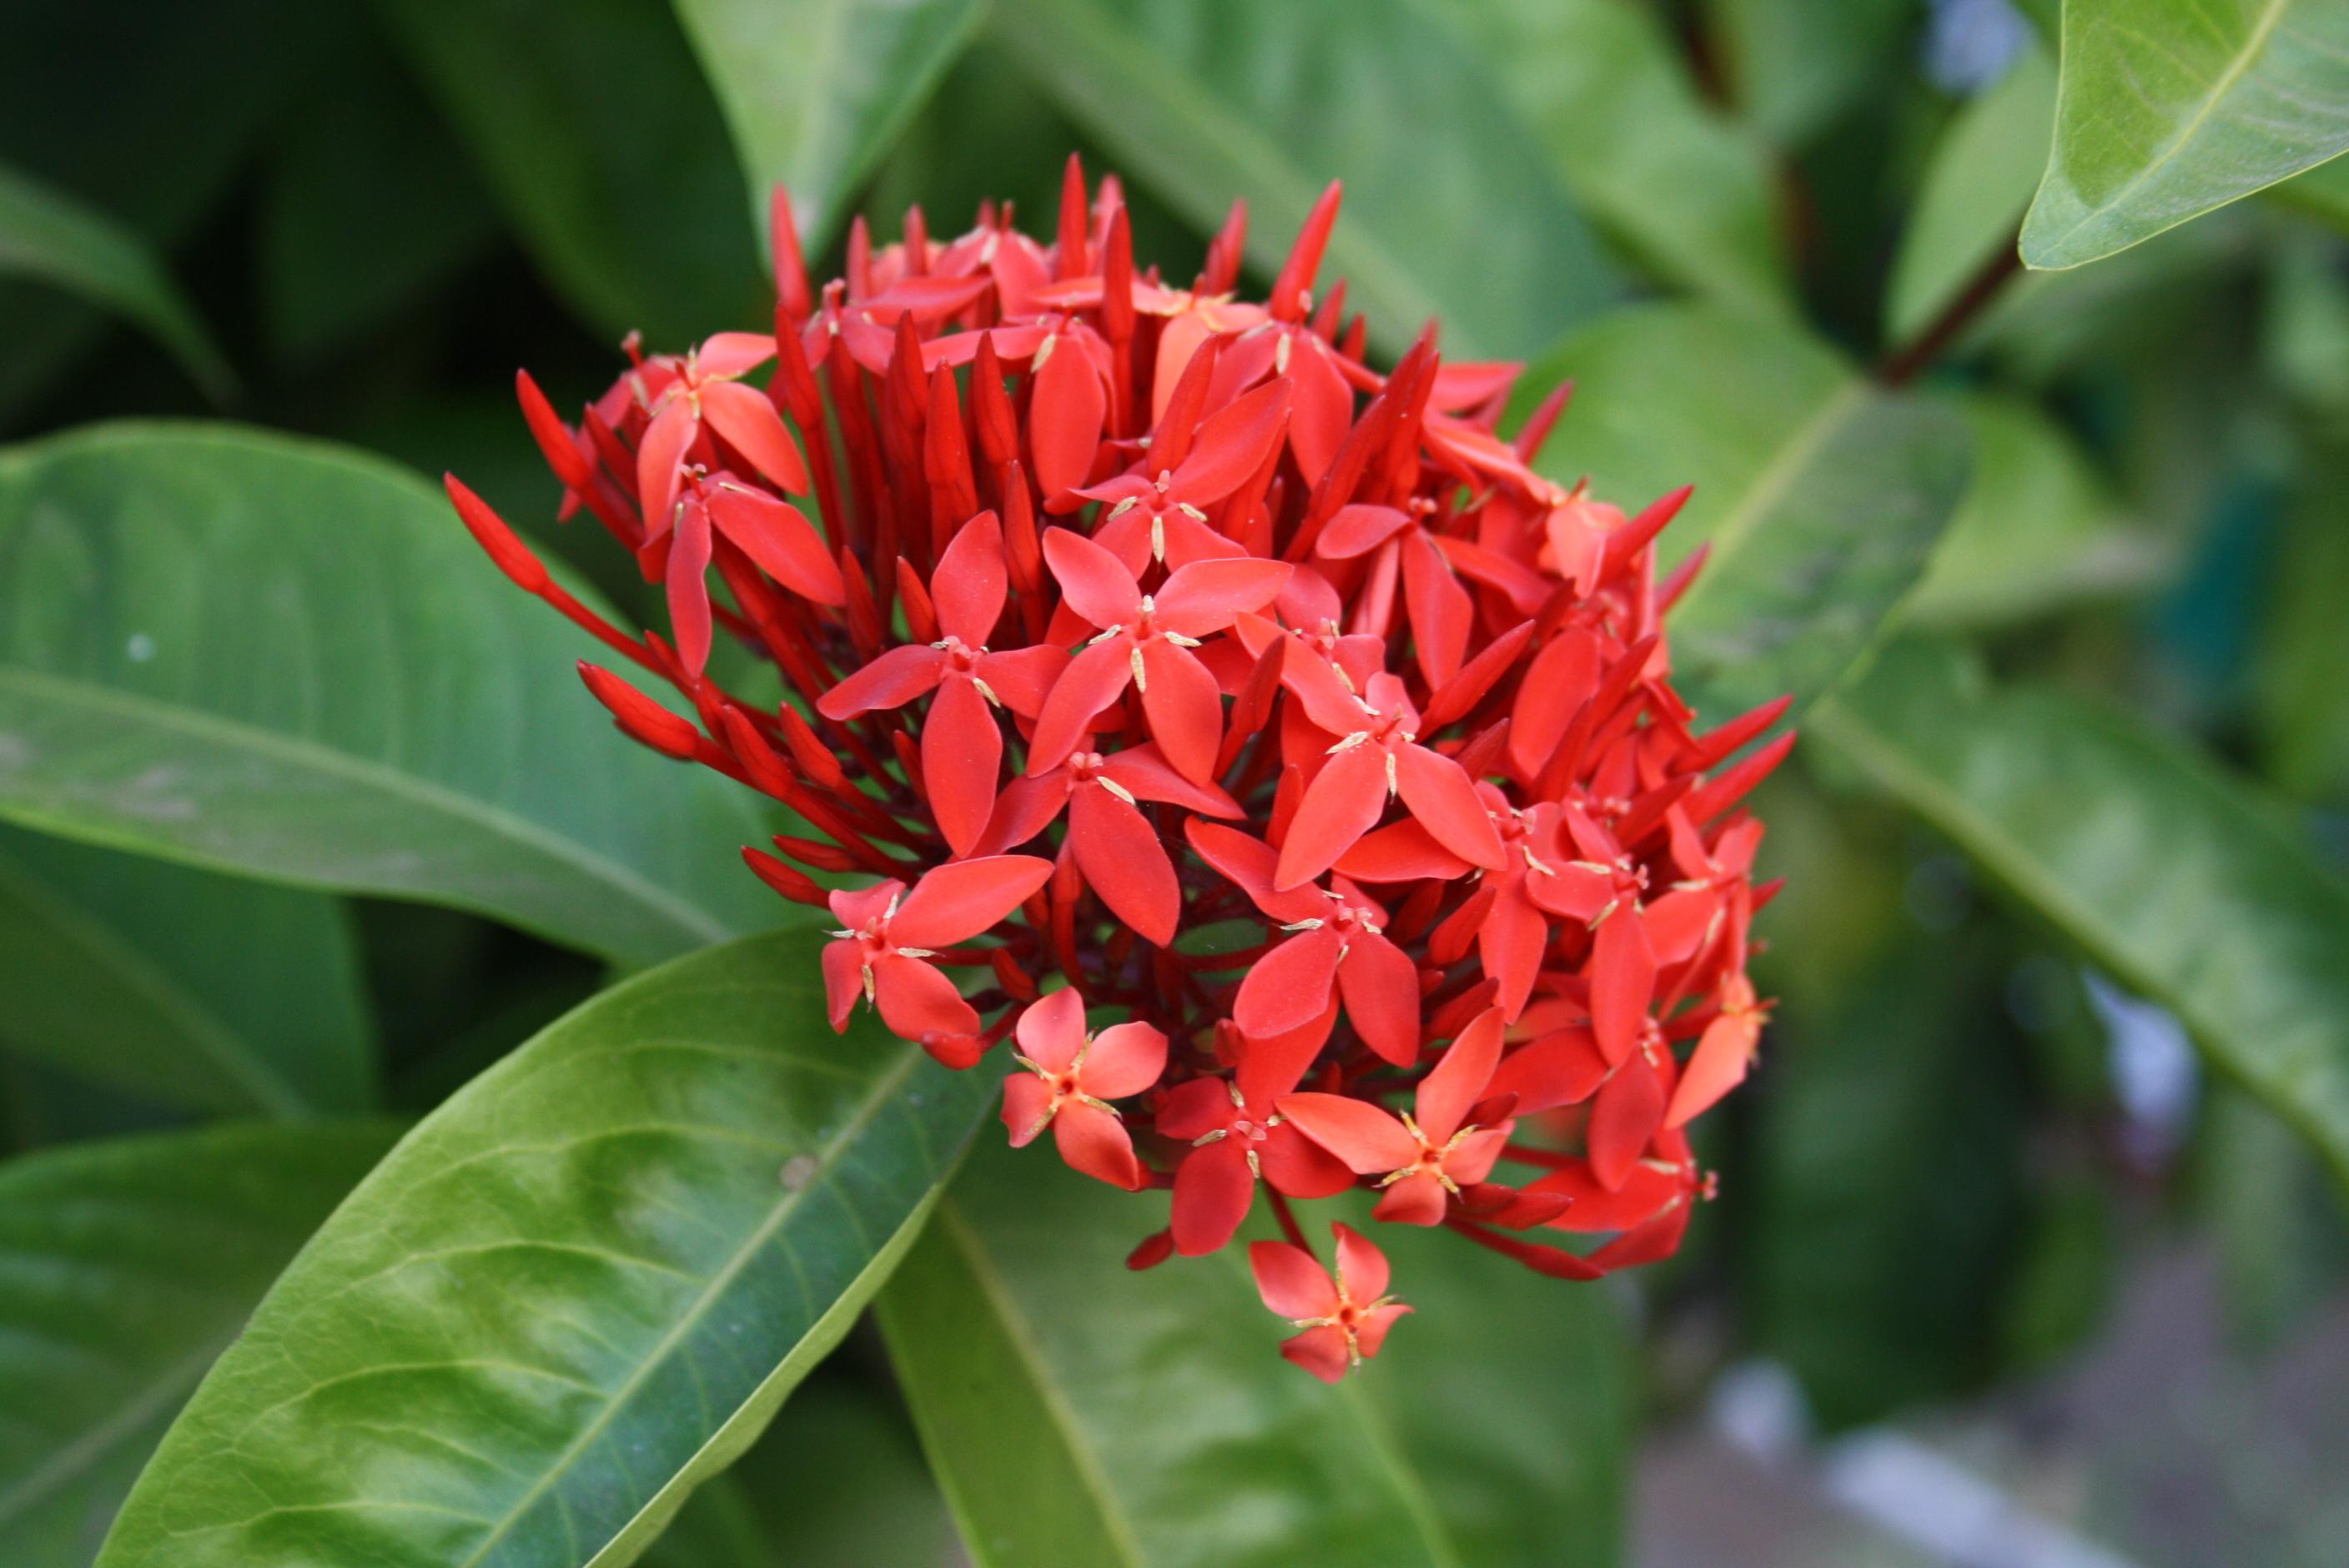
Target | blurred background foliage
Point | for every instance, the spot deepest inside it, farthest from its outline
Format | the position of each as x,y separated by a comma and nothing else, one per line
2055,557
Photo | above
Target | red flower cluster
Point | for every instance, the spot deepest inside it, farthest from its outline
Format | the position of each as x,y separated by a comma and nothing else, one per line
1164,661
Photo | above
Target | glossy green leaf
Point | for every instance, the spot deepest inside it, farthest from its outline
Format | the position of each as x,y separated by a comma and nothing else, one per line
2168,874
837,1482
1206,103
1885,1187
2167,110
2039,528
288,660
1795,65
1976,188
1821,496
1077,1412
817,90
199,989
126,1267
45,234
1601,86
580,1288
594,128
370,209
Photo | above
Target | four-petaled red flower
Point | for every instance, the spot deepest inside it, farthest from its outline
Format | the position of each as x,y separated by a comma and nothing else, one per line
1345,1318
884,952
1071,1077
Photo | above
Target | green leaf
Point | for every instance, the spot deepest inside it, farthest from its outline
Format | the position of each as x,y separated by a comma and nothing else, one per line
577,1290
2166,111
1077,1412
817,90
2039,528
2303,705
1977,185
837,1482
1821,495
1796,64
1886,1186
366,210
285,659
1602,87
125,1268
203,990
1236,98
2163,870
594,128
45,234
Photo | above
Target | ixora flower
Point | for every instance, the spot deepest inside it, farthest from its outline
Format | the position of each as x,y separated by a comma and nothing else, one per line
1250,735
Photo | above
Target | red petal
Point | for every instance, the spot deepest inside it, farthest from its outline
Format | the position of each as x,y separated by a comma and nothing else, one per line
1401,852
1093,679
1717,1065
1560,680
1184,707
727,355
657,457
1064,421
1439,610
1676,922
1357,530
1561,1068
1052,1032
1143,772
1123,1060
1025,809
1023,677
1325,407
1371,1331
752,428
1367,1139
1362,1267
1095,1142
1289,987
892,680
844,982
1630,1107
971,581
1232,445
958,900
1381,986
1249,865
1416,1200
1121,857
1440,794
1292,1285
1459,1081
1321,1351
778,537
1510,945
915,999
1207,595
1622,982
1094,583
1027,1101
1214,1189
962,760
1344,801
1300,1168
687,585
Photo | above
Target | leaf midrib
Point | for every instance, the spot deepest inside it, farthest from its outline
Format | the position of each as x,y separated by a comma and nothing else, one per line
1770,486
883,1092
1983,837
690,922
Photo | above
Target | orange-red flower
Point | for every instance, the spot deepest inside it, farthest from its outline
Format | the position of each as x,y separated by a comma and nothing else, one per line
1151,651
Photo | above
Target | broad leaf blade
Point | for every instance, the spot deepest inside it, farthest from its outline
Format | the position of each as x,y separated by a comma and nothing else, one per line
45,234
2166,111
1075,1411
126,1267
1795,66
593,130
202,990
2166,872
577,1290
2039,528
286,660
1601,86
1235,99
816,90
1821,496
1975,191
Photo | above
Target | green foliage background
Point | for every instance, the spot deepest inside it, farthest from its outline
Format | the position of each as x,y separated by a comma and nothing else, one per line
2012,370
